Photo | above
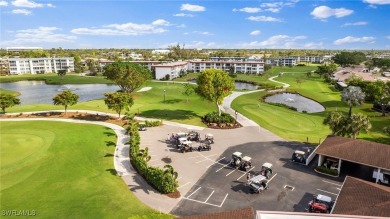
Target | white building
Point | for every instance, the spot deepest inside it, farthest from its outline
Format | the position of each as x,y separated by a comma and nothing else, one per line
40,65
161,51
172,69
235,66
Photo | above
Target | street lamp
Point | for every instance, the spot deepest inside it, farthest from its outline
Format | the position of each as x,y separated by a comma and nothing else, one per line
164,95
236,115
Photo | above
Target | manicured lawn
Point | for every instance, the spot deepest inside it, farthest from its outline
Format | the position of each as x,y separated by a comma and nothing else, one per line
298,126
55,79
51,168
149,104
4,91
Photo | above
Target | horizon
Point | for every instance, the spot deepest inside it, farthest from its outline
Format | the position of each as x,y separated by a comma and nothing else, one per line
217,24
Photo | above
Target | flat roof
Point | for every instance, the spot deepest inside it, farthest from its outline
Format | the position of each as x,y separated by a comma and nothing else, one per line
360,197
357,151
170,64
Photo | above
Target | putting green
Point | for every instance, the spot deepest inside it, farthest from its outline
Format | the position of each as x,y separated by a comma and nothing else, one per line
64,170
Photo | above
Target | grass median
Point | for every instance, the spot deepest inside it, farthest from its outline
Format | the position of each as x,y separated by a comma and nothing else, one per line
52,169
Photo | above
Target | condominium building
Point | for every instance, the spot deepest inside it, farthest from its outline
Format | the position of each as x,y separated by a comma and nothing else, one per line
228,66
40,65
172,69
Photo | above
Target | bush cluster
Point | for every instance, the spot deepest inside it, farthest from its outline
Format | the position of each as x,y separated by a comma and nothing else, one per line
153,123
327,171
162,180
215,118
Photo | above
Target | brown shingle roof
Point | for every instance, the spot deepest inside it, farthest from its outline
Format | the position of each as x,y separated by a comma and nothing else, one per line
359,197
355,150
244,213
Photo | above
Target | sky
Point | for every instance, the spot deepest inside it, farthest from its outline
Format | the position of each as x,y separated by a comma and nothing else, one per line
207,24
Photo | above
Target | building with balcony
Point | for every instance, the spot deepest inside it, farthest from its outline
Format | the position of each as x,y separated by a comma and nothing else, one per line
40,65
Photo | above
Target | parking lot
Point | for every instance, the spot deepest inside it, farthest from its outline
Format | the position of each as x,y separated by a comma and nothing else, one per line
208,183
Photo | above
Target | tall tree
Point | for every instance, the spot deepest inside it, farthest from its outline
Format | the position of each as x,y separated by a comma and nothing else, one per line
128,76
379,92
335,122
188,90
8,100
66,98
354,96
214,85
349,58
357,123
62,72
118,101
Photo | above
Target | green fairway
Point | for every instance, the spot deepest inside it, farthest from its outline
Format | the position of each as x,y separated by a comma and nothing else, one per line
4,91
149,104
51,168
294,125
55,79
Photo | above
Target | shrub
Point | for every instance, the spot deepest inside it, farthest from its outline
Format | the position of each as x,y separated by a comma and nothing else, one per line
153,123
215,118
327,171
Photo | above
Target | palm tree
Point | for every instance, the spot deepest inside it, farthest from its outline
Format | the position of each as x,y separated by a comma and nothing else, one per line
354,96
335,122
357,123
170,171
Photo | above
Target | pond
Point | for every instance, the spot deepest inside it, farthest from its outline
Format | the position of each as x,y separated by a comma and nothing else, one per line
239,85
37,92
297,101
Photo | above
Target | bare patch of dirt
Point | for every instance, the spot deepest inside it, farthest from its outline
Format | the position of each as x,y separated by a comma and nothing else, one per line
175,194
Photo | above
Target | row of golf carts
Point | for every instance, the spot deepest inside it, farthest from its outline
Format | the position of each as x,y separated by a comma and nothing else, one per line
183,141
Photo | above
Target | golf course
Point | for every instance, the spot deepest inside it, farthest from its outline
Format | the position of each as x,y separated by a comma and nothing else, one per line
49,168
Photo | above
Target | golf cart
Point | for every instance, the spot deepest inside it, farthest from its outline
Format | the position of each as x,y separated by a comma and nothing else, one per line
383,177
258,184
331,163
204,147
141,127
266,170
186,147
180,141
299,157
321,204
236,159
209,138
246,163
193,136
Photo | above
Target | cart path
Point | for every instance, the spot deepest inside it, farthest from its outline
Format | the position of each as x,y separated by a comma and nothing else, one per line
133,180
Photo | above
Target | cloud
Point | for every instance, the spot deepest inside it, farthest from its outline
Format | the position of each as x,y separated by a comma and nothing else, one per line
255,32
192,45
160,22
181,26
359,23
249,10
277,41
351,39
30,4
323,12
39,35
388,37
203,32
277,6
21,11
3,3
183,15
377,2
189,7
127,29
264,19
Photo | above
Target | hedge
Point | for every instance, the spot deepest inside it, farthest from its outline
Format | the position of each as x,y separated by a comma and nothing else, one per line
162,180
327,171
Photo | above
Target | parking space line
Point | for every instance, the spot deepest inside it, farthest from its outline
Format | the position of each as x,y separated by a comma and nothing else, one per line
209,197
202,161
231,172
222,167
224,199
194,192
327,192
183,185
193,157
272,177
331,183
202,202
245,173
216,161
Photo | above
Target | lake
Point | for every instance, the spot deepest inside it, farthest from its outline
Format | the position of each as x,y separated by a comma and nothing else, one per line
36,92
297,101
238,85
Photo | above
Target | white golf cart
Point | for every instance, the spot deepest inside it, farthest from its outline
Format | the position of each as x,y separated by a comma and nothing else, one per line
258,184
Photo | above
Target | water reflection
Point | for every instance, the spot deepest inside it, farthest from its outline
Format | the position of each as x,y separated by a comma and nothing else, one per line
297,101
35,92
238,85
